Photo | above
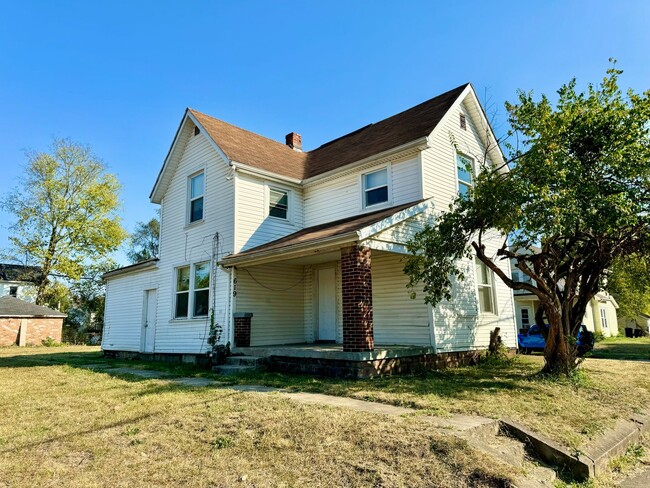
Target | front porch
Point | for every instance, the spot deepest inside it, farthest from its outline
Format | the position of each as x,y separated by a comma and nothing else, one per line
333,360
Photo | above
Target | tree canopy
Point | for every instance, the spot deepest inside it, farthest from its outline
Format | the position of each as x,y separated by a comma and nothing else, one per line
143,243
66,212
572,198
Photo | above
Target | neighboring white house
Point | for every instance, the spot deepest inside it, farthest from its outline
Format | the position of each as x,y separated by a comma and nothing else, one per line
280,246
18,281
600,316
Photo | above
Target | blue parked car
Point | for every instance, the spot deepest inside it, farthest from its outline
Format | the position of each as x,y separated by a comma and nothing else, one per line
533,340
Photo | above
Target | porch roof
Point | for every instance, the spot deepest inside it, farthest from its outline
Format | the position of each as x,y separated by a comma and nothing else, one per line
338,232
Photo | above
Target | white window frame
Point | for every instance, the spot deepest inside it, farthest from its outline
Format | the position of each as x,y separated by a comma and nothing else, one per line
521,314
603,318
389,187
191,291
188,216
267,203
459,182
491,285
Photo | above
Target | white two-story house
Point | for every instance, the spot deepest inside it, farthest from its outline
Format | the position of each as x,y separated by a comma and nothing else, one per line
299,254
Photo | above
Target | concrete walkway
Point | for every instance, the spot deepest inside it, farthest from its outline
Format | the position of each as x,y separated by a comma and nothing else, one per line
459,422
641,480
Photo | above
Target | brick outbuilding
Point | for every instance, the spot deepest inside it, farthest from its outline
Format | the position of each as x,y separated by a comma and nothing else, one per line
24,323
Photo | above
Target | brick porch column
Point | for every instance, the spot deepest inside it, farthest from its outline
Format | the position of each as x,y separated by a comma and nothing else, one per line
357,299
242,329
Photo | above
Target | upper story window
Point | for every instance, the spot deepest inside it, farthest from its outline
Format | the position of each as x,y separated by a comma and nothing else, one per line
485,285
192,290
375,187
465,171
13,291
279,203
196,190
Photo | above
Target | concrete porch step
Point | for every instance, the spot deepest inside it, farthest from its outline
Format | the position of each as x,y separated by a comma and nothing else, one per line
245,360
230,369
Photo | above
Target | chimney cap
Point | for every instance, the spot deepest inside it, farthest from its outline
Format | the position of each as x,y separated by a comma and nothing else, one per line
294,141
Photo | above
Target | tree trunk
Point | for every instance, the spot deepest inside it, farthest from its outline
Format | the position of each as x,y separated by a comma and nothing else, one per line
560,351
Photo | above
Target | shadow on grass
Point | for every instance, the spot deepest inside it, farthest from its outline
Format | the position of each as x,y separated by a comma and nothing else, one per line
95,361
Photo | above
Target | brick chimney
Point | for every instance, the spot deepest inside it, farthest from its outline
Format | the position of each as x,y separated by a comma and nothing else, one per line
294,141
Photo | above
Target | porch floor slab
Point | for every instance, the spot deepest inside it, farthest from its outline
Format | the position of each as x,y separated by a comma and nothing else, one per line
334,352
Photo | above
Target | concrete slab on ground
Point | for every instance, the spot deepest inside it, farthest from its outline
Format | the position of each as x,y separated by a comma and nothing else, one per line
641,480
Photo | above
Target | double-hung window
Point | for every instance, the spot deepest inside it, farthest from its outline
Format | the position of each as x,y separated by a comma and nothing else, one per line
375,187
279,203
196,190
192,291
464,171
485,285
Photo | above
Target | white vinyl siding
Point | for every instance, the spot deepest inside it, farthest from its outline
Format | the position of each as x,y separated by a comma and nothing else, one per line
254,225
123,310
458,324
274,294
397,319
439,162
341,196
182,245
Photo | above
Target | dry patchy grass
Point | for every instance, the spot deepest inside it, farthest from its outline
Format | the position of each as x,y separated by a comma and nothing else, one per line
569,411
64,425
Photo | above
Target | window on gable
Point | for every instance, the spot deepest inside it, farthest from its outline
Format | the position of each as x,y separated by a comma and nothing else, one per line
192,290
485,285
375,187
463,122
278,203
196,190
465,170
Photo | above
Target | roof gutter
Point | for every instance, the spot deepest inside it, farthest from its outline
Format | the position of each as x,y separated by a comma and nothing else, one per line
289,252
244,168
150,263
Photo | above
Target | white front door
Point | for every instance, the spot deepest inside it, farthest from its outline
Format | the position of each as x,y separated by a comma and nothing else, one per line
326,304
148,321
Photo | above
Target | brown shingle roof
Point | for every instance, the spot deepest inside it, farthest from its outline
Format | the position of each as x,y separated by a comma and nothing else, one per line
257,151
252,149
19,272
14,307
323,231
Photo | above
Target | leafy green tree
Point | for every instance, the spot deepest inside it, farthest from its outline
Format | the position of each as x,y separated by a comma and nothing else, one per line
143,243
66,212
629,284
572,198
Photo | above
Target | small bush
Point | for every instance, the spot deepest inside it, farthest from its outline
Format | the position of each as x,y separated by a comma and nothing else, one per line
50,342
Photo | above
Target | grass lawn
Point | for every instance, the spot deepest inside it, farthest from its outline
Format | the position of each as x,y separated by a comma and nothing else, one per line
570,412
64,425
623,348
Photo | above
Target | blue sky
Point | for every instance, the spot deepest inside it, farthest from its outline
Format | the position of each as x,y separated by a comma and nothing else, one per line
118,75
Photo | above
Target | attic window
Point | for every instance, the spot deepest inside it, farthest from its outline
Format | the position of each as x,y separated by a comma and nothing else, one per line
463,122
197,131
